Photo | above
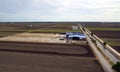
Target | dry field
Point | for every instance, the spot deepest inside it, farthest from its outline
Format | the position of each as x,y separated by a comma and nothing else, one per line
23,48
47,57
111,35
35,37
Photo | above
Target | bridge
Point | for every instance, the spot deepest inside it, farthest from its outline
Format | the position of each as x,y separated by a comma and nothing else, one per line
104,52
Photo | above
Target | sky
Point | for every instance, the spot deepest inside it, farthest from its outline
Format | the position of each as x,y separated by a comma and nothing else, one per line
59,10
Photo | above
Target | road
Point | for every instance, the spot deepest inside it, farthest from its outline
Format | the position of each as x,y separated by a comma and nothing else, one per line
106,66
17,61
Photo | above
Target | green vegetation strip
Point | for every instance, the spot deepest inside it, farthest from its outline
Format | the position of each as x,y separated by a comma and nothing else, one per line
2,34
13,30
105,29
53,31
112,42
10,32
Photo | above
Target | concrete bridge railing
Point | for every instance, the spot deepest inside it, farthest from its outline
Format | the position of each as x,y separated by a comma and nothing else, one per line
104,63
112,54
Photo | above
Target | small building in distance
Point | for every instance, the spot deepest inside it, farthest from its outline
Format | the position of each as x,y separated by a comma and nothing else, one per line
75,36
74,27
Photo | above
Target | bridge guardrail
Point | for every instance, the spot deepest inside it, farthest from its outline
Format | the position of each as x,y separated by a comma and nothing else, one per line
112,54
104,63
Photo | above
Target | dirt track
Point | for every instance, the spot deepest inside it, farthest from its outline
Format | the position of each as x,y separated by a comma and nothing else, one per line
41,57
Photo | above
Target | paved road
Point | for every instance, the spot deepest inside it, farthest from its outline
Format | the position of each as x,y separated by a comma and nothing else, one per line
102,60
36,62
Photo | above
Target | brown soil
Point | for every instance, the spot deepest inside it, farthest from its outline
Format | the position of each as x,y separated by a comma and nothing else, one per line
43,57
27,26
47,48
20,62
117,48
107,34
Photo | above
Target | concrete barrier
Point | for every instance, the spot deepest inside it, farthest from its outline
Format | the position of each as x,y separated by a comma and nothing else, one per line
104,63
112,54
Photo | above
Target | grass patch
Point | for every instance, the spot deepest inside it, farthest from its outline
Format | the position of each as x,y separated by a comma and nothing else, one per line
52,31
7,28
2,34
112,42
13,30
105,29
10,32
112,63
